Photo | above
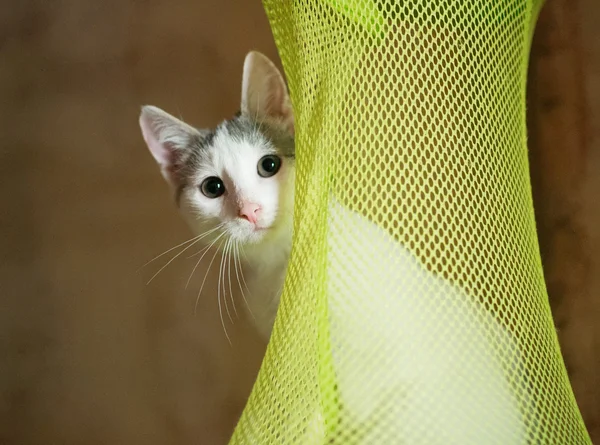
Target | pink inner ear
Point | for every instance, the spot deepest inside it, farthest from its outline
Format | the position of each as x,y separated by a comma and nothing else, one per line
290,126
279,104
277,98
163,155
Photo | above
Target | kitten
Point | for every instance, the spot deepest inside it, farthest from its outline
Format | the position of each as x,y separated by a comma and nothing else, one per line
424,372
234,185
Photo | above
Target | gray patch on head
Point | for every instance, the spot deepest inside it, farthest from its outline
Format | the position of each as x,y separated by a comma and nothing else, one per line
198,151
241,128
281,139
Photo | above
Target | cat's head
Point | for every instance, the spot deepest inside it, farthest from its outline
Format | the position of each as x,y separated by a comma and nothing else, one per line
236,180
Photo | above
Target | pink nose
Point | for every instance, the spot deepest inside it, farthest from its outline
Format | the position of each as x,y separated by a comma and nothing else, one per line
249,211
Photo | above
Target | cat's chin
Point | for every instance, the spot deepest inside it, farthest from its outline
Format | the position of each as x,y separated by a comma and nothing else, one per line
256,235
249,235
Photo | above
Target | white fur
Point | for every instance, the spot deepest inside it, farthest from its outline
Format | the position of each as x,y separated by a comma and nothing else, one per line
415,358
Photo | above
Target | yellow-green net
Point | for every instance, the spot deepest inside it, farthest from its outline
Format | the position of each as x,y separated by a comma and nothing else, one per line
414,309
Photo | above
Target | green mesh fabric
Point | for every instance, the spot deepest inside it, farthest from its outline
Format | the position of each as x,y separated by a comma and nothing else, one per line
410,120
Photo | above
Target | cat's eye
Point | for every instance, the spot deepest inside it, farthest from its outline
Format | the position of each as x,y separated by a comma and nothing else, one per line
269,165
212,187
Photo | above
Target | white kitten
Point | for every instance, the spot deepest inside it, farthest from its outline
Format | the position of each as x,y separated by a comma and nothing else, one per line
234,185
413,355
416,359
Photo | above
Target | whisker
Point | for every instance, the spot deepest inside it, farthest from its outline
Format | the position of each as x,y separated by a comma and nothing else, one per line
172,259
204,280
197,253
237,260
169,250
244,253
229,252
218,301
193,241
206,249
221,271
242,272
207,233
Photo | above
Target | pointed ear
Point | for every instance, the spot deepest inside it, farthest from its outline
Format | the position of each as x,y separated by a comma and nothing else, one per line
169,140
264,93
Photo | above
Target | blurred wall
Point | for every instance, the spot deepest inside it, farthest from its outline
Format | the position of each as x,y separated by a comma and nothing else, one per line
90,354
564,144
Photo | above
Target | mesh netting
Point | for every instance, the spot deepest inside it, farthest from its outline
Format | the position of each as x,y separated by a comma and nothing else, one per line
415,309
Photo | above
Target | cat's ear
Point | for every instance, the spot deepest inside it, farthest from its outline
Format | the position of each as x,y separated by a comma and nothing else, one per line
264,93
169,140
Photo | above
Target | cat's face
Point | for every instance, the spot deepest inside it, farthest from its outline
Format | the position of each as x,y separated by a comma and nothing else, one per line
236,181
240,177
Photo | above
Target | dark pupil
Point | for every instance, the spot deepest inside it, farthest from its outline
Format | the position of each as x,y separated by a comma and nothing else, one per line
214,186
269,165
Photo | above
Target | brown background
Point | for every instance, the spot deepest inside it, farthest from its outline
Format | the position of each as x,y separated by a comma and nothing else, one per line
564,142
91,355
